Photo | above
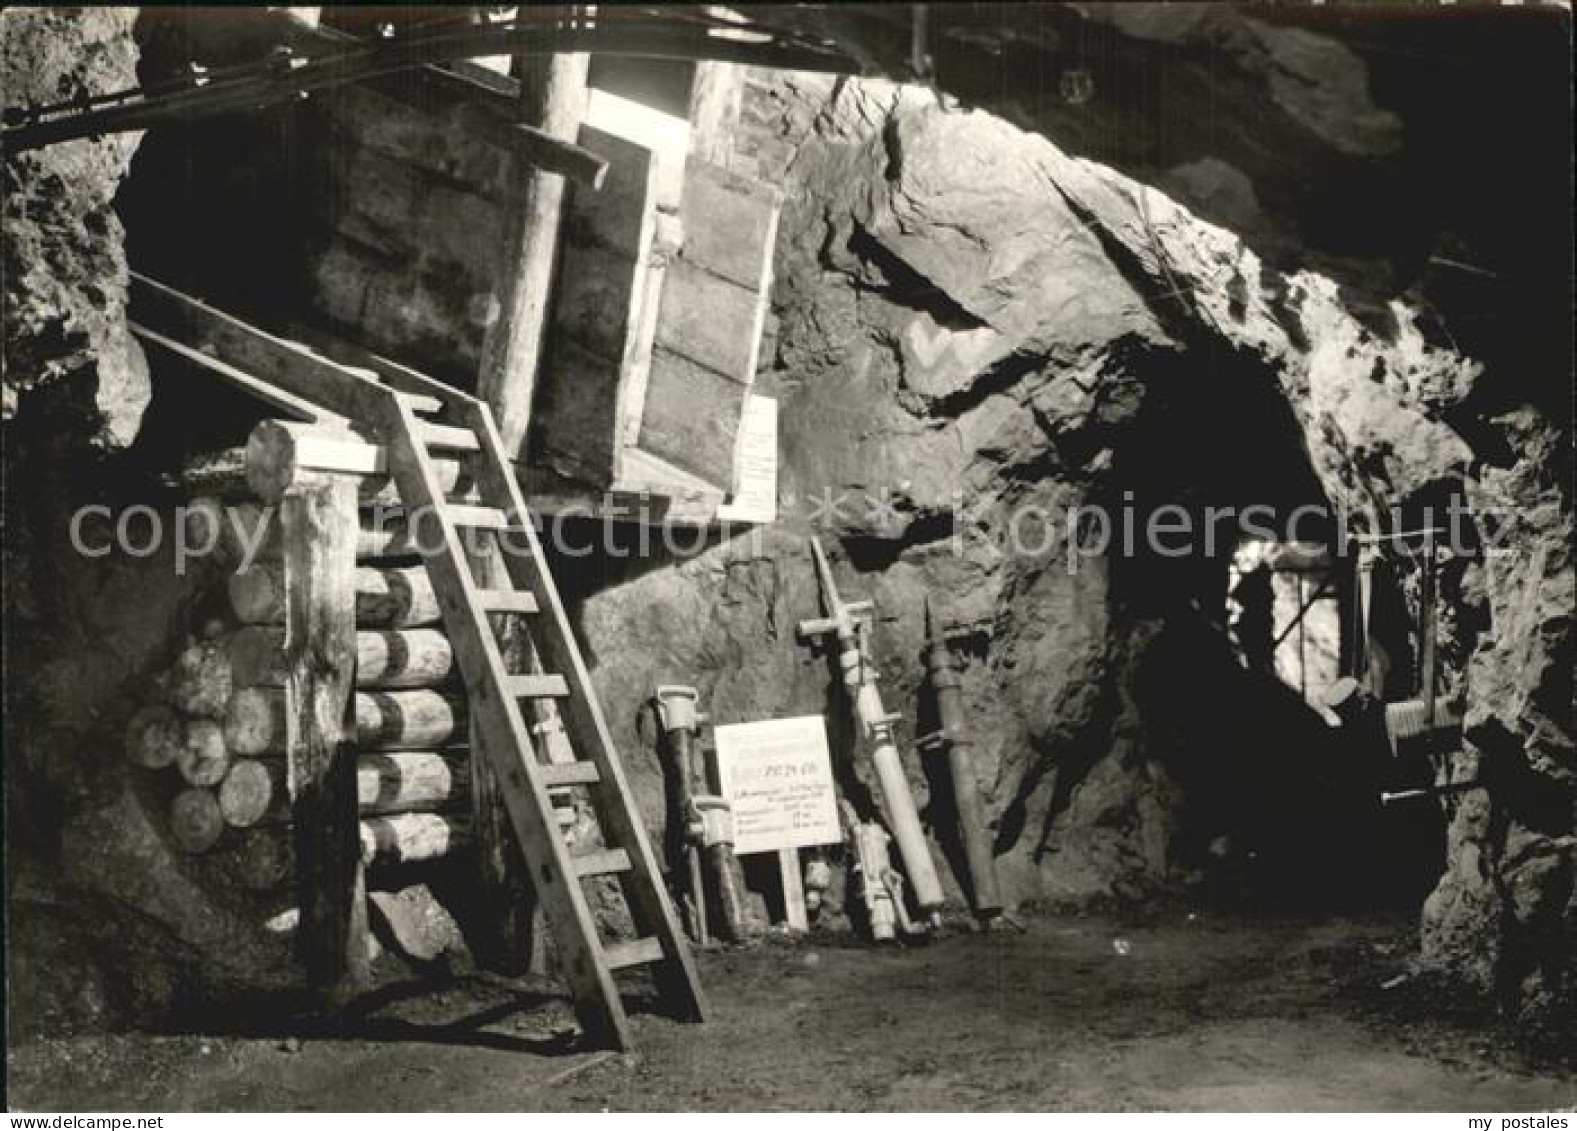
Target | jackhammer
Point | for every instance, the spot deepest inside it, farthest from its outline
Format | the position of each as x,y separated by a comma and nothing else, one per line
954,737
708,822
850,623
877,884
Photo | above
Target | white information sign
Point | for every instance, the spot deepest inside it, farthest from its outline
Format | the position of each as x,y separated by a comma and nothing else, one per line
777,775
756,464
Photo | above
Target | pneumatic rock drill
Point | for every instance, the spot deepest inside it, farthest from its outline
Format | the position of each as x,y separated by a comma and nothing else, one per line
708,822
850,624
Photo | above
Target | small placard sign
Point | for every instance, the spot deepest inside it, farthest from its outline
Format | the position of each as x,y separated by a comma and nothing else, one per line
777,775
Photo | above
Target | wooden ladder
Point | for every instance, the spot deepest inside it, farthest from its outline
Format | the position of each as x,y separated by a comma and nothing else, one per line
587,961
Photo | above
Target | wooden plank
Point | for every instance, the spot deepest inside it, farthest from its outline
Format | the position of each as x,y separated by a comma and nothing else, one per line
478,518
280,451
445,436
276,398
536,686
708,320
604,862
666,135
619,215
708,332
730,224
552,98
570,773
717,93
614,804
577,422
635,952
692,418
595,296
266,357
507,601
394,374
484,103
598,314
319,523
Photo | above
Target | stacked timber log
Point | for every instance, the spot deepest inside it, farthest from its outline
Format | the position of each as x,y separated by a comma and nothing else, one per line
216,728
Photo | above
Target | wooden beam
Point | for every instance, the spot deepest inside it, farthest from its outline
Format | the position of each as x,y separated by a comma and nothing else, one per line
279,453
552,99
319,523
290,368
716,95
276,398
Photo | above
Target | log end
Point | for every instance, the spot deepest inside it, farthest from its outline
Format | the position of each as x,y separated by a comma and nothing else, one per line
195,820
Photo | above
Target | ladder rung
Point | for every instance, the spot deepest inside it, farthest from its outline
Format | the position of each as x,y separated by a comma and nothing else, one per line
604,862
536,687
421,402
507,601
636,952
477,518
570,773
447,436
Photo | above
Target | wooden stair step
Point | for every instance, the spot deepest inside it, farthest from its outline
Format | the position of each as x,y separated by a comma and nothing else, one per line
477,518
603,862
536,687
447,436
420,402
555,774
635,952
507,601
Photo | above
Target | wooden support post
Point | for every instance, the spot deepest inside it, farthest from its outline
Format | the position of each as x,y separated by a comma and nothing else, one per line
553,99
716,94
318,523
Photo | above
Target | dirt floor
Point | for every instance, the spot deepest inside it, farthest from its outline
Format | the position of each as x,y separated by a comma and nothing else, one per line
1184,1012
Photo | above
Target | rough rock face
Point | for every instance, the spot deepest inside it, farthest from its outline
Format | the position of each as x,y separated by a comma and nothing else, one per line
64,270
1378,415
978,332
109,926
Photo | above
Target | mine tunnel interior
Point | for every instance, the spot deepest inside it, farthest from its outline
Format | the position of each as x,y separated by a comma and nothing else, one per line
1199,714
1280,807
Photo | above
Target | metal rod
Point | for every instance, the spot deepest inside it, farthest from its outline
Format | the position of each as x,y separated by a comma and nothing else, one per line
1426,614
1302,611
293,78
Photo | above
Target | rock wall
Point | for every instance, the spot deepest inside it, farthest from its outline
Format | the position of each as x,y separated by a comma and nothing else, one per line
64,268
107,924
976,332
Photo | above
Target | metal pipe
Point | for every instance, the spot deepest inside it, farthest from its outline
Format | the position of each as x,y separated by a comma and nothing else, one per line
288,77
956,738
